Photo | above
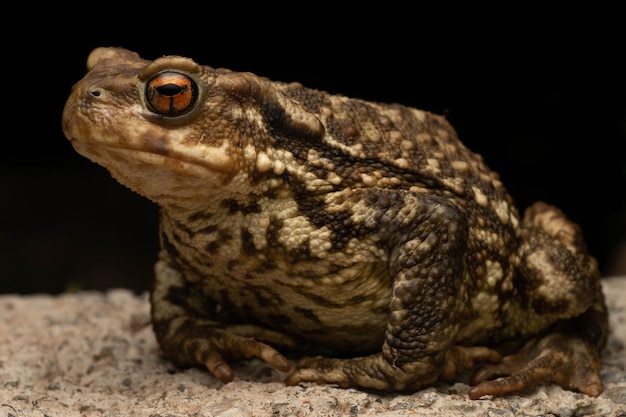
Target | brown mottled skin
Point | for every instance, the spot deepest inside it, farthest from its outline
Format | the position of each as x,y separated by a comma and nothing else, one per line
291,216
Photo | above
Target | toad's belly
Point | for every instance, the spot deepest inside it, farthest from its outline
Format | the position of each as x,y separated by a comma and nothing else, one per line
344,310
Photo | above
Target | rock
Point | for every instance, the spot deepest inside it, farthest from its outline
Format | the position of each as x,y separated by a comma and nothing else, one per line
94,354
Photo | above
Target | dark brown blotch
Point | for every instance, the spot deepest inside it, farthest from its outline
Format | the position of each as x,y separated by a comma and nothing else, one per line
266,299
208,229
247,242
544,306
234,206
212,247
280,319
307,313
223,237
200,215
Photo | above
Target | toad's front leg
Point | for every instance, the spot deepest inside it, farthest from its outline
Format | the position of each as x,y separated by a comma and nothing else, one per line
187,335
428,301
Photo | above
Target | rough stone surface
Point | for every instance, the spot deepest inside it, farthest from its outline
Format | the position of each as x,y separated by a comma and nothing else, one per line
94,354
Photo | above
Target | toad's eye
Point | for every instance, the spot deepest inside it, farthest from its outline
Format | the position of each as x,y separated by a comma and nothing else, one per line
171,93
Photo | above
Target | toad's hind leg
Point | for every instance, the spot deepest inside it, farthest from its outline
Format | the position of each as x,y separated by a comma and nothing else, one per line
187,335
559,283
568,356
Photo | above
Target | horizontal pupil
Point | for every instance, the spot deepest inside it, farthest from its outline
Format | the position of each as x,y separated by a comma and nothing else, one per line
169,89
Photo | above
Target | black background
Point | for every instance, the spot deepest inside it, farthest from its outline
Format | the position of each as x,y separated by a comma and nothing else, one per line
541,96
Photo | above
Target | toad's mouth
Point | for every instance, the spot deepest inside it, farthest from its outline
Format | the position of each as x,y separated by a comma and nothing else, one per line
207,161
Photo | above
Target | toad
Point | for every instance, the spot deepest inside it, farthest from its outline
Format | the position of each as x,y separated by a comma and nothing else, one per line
292,217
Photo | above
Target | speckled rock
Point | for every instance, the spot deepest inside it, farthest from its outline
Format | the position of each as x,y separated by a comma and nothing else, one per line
94,354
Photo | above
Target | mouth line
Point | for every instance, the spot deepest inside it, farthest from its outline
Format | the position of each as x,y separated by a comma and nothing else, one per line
221,163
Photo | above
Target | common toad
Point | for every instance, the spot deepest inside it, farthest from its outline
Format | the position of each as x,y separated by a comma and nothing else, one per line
291,216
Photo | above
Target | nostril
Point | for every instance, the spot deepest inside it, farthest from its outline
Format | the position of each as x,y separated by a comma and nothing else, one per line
96,92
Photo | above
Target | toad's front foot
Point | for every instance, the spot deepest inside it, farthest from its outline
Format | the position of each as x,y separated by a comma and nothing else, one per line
371,372
195,344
